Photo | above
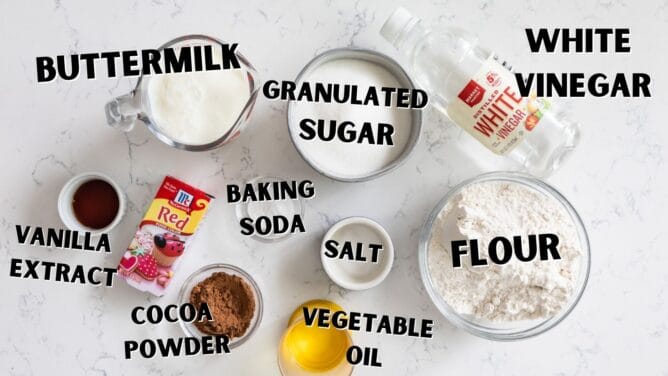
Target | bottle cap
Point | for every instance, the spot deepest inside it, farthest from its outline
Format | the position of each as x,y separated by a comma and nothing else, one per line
399,21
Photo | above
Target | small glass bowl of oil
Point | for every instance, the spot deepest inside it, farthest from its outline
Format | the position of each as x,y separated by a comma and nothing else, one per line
311,350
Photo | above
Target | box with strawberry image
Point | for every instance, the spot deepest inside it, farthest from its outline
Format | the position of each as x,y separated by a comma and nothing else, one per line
149,262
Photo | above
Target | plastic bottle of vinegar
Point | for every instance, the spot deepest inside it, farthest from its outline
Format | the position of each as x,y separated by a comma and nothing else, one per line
480,94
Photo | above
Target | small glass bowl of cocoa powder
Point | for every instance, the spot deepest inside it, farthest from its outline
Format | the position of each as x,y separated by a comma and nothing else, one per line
233,298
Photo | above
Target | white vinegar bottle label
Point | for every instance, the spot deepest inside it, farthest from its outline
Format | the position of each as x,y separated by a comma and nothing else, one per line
490,108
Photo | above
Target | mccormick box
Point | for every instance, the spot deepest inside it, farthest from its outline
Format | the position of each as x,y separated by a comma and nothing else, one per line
162,238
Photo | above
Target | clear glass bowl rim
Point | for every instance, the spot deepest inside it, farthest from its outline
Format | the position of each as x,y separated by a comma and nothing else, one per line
392,66
241,209
184,297
241,121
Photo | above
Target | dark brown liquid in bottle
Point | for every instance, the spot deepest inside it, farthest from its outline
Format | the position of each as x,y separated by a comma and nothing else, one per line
95,204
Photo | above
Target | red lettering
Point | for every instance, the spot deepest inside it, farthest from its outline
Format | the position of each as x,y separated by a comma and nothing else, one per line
499,108
182,223
505,102
484,128
512,95
506,130
163,213
511,124
166,216
493,118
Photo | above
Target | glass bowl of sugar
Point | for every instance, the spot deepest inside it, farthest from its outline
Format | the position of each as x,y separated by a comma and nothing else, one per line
353,128
504,256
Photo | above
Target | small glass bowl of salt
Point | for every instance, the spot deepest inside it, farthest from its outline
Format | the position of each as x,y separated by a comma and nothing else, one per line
263,214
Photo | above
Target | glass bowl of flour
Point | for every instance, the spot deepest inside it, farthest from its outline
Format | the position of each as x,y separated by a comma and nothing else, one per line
504,256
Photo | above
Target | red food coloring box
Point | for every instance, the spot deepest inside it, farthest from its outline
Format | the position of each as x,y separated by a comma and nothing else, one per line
171,220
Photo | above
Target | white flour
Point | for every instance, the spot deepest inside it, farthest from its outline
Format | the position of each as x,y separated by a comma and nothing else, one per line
517,290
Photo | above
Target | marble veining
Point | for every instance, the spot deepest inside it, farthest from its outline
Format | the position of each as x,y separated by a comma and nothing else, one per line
616,180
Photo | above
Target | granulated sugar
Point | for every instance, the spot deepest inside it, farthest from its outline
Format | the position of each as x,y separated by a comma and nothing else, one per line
516,290
352,159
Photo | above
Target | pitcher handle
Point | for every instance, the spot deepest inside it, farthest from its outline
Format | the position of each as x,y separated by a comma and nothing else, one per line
122,112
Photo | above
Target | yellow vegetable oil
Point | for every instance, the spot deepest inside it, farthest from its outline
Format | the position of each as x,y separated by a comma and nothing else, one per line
309,350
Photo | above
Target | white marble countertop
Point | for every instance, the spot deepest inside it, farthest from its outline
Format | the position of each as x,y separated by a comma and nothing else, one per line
616,180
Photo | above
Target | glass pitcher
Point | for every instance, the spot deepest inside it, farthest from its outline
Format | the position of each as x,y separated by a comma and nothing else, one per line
124,111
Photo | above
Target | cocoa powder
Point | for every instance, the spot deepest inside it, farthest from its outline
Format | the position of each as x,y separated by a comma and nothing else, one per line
231,301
